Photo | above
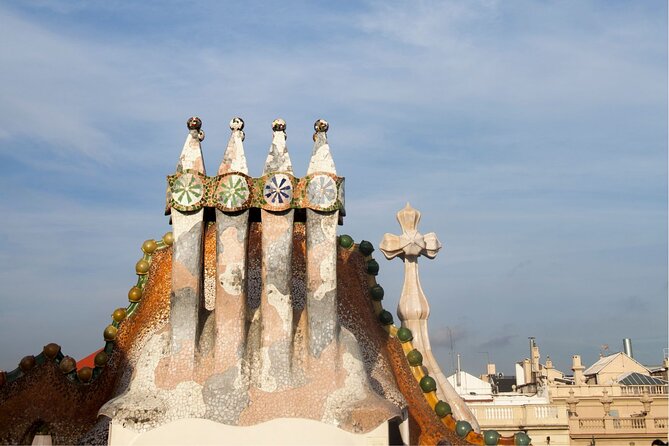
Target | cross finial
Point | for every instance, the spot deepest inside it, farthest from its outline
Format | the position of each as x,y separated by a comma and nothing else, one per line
413,308
411,243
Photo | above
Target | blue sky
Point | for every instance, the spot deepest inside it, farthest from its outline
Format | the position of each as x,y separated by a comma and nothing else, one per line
532,136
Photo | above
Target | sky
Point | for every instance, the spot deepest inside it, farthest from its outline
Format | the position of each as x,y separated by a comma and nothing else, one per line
532,136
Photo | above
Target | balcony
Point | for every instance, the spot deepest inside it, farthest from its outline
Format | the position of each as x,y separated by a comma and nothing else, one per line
595,391
640,390
513,416
614,425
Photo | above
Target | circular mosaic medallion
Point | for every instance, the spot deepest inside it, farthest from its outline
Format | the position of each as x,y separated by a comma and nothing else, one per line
187,190
233,191
322,191
278,190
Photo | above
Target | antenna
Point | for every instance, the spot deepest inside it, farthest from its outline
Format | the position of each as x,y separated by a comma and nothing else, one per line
603,348
450,337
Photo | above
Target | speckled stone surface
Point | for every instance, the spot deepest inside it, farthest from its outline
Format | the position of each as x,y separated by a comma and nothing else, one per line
188,230
350,385
228,335
272,365
321,254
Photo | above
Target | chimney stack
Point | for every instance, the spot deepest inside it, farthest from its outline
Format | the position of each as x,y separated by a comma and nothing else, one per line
577,368
527,370
458,379
627,347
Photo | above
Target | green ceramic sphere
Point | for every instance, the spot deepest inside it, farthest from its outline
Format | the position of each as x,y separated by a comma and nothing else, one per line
442,409
521,439
168,238
365,248
149,246
462,428
415,358
135,294
345,241
376,292
101,359
404,334
110,333
372,267
428,384
490,438
385,317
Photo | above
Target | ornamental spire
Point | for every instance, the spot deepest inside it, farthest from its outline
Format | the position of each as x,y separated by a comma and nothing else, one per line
234,159
191,155
278,159
321,158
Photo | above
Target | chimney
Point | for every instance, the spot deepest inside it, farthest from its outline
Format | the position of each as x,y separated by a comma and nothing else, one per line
535,362
577,368
491,369
458,380
527,370
627,347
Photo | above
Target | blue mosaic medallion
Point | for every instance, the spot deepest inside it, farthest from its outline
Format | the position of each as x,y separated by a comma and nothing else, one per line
278,190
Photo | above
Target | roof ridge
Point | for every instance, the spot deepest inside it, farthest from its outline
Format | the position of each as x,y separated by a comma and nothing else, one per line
428,385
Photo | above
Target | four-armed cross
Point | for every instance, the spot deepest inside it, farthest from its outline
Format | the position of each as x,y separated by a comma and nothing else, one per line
409,246
413,308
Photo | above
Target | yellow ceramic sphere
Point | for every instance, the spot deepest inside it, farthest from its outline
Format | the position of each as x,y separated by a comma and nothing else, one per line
51,350
142,267
168,238
119,314
110,333
135,294
101,359
67,364
85,374
27,363
149,246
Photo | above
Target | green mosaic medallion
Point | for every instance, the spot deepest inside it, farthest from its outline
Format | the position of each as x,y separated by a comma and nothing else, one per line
233,191
187,190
